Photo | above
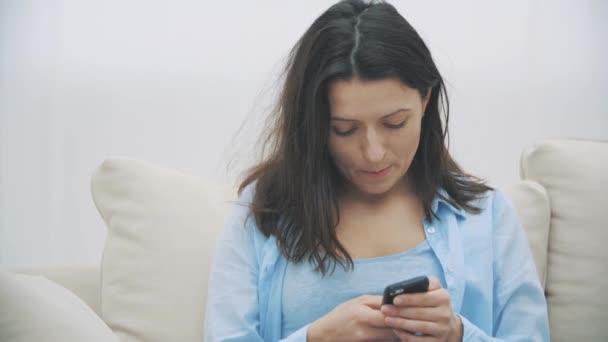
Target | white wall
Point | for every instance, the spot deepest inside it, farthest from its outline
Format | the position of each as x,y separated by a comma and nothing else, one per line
172,82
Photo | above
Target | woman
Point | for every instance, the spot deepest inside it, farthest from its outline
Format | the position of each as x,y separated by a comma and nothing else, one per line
358,191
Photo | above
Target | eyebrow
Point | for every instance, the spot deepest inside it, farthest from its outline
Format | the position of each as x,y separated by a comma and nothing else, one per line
383,116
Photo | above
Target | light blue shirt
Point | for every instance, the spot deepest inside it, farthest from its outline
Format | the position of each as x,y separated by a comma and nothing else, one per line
308,296
486,261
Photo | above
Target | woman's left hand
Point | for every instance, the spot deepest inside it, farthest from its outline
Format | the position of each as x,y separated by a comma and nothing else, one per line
428,313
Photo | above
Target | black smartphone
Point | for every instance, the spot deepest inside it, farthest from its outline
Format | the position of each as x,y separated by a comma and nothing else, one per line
413,285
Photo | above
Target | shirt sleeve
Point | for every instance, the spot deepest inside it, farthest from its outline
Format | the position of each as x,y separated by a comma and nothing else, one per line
232,311
520,307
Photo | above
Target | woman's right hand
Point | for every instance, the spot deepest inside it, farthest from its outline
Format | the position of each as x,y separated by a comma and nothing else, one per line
358,319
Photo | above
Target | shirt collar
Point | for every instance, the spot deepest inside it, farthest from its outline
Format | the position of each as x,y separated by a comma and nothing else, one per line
438,200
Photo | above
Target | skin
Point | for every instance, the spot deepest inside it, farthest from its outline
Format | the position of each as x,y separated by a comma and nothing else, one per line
374,135
372,113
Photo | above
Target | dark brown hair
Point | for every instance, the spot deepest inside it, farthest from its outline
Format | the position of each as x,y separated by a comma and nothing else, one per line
296,183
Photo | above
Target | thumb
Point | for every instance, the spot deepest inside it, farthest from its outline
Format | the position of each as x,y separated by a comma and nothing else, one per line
434,284
371,301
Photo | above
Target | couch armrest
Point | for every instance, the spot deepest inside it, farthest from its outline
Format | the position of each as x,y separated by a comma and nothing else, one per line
82,280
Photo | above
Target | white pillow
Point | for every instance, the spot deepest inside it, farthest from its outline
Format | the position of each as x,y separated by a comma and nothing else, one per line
33,308
162,227
575,174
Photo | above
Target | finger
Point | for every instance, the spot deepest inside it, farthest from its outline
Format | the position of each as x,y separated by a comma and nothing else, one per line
375,306
374,318
370,300
434,314
381,334
438,297
424,327
434,283
411,337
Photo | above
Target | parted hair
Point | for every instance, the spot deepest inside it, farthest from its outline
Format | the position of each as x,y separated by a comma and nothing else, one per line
296,183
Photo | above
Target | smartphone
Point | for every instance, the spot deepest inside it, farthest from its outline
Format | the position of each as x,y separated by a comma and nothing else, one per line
413,285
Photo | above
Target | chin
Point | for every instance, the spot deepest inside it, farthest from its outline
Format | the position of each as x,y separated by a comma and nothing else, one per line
376,189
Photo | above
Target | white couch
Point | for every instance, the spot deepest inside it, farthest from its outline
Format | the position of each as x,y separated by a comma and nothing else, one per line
151,282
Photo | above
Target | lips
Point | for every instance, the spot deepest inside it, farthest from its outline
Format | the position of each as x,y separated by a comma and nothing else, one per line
377,173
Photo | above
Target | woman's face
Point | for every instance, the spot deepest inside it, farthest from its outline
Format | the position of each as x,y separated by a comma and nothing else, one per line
375,130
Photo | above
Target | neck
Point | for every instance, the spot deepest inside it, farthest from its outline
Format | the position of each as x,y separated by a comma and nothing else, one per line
401,190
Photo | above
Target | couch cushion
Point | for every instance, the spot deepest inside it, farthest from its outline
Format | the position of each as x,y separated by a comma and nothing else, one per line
82,280
33,308
575,175
162,226
532,204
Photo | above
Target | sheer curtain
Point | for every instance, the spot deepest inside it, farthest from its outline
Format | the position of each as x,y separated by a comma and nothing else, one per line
186,84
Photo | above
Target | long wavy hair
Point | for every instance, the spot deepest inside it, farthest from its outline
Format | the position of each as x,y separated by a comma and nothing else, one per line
296,182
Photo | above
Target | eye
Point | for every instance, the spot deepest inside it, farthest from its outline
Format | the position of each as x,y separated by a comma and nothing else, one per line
395,126
344,133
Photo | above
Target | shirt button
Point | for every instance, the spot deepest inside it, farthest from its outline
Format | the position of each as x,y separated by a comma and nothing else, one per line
431,230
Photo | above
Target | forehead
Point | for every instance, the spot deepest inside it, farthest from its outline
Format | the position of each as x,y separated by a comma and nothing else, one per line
357,99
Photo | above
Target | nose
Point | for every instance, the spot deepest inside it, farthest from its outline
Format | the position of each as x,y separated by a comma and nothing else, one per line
374,150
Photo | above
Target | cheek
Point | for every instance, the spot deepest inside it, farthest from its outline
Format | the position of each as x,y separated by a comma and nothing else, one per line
406,145
341,153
